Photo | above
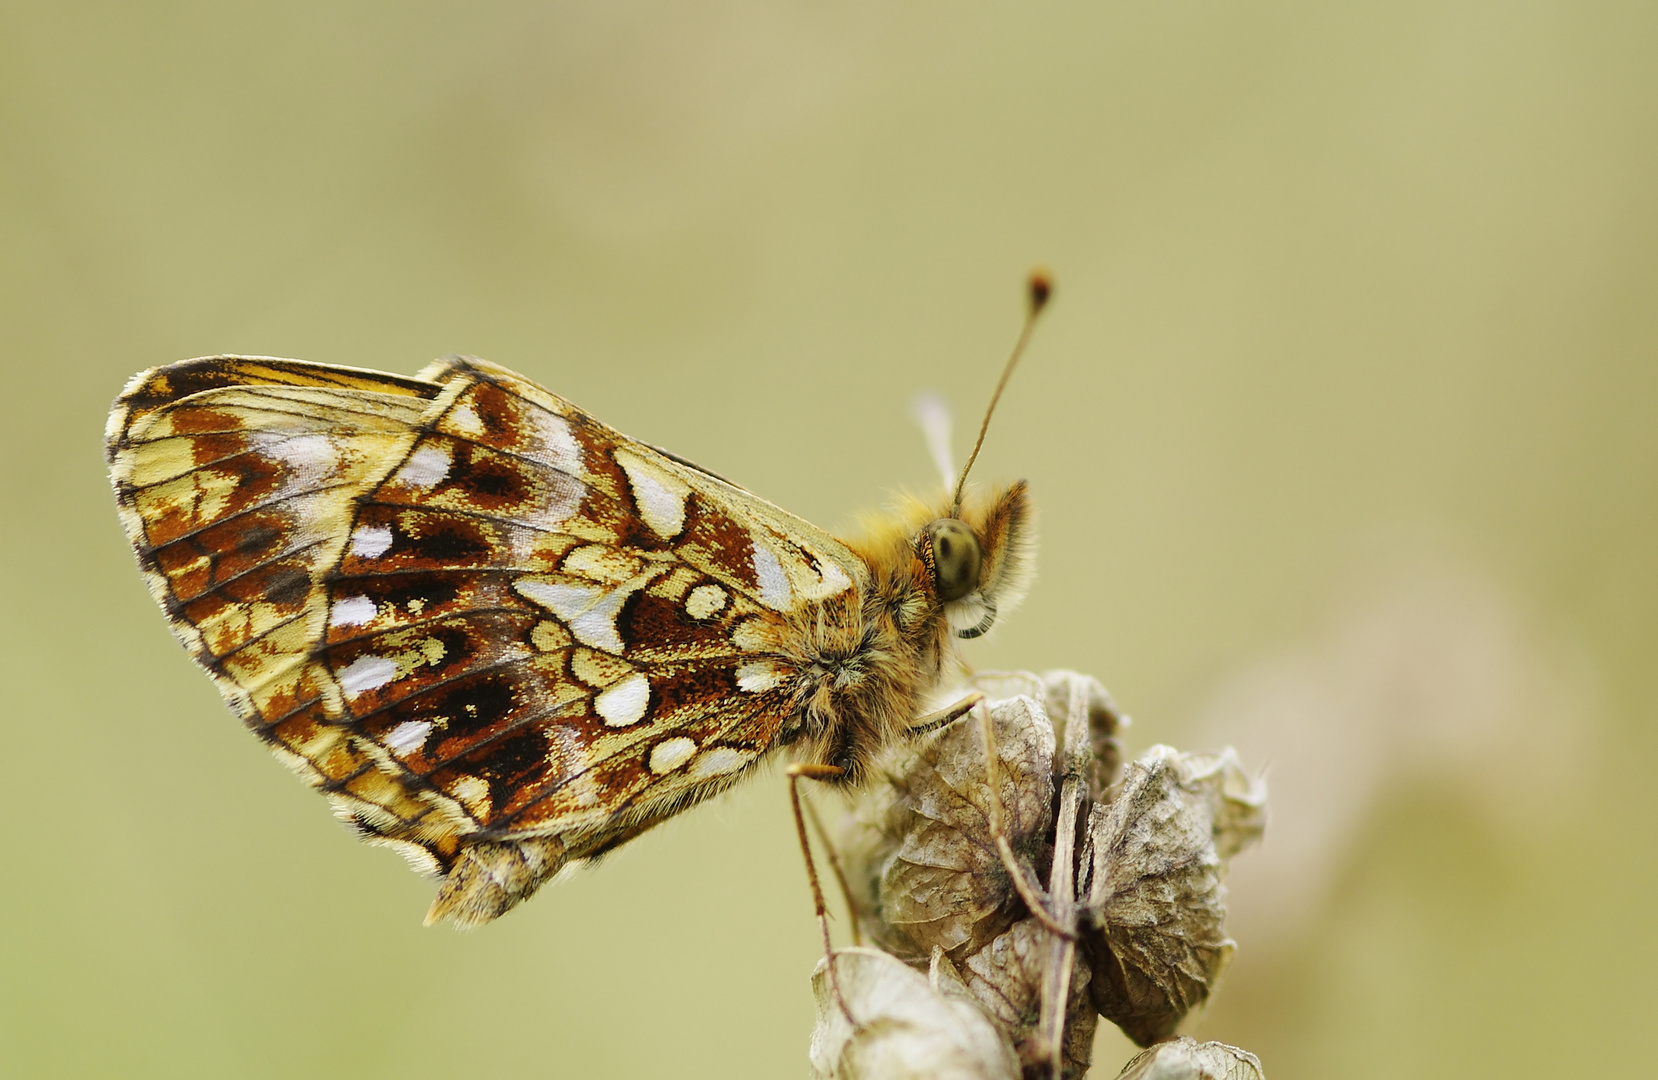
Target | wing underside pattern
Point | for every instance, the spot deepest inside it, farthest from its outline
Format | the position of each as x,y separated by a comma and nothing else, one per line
494,631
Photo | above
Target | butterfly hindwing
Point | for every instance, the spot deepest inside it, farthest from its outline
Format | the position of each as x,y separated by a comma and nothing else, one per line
235,478
499,634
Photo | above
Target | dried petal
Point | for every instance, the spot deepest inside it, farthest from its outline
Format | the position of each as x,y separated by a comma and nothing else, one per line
1154,889
1241,816
928,882
1005,979
1186,1059
1105,722
921,855
907,1027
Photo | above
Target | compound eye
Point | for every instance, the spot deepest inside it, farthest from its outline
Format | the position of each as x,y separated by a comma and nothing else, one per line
955,559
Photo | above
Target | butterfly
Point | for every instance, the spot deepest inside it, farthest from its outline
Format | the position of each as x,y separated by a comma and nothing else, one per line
502,637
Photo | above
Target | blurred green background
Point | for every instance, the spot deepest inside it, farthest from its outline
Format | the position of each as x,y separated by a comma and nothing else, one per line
1343,428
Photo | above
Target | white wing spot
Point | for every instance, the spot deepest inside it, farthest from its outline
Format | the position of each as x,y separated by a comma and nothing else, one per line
659,495
670,754
720,761
834,578
589,613
562,451
758,676
425,467
755,635
465,419
408,736
599,563
624,703
567,753
306,454
371,541
774,583
309,458
582,790
352,611
366,673
705,602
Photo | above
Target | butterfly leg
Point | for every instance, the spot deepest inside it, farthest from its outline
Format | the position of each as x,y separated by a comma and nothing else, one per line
817,772
840,875
945,716
1030,893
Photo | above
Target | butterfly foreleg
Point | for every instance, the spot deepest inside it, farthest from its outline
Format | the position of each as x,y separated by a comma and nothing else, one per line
945,716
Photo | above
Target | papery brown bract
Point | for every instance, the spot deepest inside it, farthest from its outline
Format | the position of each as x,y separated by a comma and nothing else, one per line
1007,979
911,1026
1145,889
930,877
1155,860
1060,689
1187,1059
928,881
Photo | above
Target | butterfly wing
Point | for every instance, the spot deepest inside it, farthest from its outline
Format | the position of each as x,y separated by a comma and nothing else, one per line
498,634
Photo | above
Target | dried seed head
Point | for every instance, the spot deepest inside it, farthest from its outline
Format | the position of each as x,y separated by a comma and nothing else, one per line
1186,1059
1144,890
909,1026
1062,690
1154,862
1006,979
921,861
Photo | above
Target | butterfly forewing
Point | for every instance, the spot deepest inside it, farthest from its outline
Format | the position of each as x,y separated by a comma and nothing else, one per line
466,609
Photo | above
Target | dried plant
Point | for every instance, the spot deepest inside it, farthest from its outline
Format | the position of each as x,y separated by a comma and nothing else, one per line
1030,890
1188,1059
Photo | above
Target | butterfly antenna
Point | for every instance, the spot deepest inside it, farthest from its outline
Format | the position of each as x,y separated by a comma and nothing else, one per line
1040,287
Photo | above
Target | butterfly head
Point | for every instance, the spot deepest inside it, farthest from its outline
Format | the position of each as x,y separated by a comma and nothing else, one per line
976,558
938,571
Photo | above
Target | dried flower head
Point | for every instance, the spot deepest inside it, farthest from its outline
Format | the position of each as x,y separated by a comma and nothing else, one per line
925,871
1187,1059
1034,883
1153,861
910,1024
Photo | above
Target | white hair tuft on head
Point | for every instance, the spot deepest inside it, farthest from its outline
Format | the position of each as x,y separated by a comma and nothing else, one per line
933,415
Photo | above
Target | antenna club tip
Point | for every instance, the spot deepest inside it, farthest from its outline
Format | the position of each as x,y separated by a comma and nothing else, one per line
1040,286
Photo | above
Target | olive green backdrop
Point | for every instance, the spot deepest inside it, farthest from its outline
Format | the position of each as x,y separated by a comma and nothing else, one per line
1342,431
